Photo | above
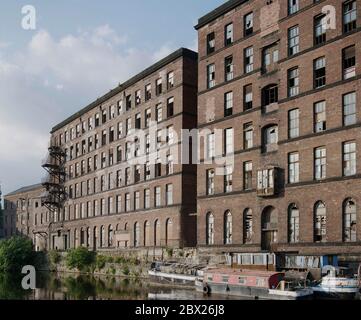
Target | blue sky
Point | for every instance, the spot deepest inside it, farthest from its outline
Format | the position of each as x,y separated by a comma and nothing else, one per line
79,50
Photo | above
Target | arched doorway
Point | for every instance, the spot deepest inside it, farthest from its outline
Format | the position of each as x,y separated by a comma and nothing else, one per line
269,227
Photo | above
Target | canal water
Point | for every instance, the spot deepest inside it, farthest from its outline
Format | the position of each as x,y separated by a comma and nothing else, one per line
51,286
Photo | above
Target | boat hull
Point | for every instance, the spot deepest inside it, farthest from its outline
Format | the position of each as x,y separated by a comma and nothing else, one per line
170,278
254,292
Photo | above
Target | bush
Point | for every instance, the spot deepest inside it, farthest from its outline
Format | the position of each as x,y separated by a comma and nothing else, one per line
15,253
100,262
55,257
126,270
169,252
80,258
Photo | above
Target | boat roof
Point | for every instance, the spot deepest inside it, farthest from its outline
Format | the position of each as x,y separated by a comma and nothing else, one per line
244,272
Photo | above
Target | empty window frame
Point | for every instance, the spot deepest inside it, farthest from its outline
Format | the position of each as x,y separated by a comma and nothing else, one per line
320,116
248,24
228,68
228,104
349,62
228,34
293,82
247,97
248,60
211,43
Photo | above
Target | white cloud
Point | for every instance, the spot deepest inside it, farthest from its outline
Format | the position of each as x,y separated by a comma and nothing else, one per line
52,78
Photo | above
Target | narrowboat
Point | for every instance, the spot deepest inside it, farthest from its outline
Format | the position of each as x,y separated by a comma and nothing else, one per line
252,284
337,283
174,273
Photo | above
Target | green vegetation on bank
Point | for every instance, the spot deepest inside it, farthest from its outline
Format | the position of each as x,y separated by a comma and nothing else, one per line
15,253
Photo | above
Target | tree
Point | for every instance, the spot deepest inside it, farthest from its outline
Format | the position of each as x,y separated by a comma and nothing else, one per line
15,253
80,258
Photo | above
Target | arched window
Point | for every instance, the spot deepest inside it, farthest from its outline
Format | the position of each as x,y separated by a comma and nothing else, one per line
228,227
82,237
75,238
102,237
210,228
293,223
168,232
349,221
110,236
146,234
247,226
87,240
320,222
136,234
95,238
157,233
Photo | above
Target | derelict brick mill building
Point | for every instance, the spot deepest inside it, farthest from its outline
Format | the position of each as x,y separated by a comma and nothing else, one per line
285,90
278,85
98,198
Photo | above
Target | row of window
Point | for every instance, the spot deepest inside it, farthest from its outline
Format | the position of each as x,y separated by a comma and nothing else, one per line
320,27
115,205
152,236
270,132
112,134
269,224
113,112
120,178
266,178
270,92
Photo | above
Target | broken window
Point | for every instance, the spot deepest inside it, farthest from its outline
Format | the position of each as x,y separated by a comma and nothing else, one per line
228,68
210,181
349,16
349,159
247,175
248,24
320,27
320,222
349,221
319,74
293,224
211,75
228,34
228,104
349,62
248,60
211,43
210,228
247,226
228,227
320,116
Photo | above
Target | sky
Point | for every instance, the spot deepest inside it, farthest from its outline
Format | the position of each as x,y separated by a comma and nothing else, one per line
78,51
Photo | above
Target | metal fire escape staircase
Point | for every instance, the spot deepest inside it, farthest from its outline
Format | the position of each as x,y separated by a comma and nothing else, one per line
55,196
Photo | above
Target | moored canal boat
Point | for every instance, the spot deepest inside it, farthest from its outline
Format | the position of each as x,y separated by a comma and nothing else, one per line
337,283
250,283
